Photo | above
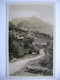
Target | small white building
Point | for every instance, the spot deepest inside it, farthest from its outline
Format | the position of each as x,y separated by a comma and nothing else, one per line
41,51
34,53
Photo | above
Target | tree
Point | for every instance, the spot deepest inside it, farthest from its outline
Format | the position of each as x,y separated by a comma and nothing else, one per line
28,42
11,26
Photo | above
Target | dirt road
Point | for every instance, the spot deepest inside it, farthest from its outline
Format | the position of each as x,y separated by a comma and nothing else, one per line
13,67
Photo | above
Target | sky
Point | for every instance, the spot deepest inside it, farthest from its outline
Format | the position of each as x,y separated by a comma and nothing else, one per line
44,11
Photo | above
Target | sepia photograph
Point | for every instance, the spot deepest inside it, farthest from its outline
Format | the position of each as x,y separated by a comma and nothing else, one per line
30,28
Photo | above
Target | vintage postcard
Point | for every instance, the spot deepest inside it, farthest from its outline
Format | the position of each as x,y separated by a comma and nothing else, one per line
30,29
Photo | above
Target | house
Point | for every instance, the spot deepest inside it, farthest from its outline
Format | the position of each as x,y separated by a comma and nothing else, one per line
20,38
41,51
34,53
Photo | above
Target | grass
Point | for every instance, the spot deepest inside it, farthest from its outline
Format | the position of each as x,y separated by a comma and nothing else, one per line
23,72
33,63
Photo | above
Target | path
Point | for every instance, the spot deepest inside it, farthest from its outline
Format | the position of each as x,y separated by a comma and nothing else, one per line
13,67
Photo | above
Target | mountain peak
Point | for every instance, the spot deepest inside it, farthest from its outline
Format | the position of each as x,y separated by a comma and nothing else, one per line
35,17
35,23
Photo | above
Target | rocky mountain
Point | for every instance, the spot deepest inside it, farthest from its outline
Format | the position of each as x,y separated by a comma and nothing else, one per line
15,21
35,24
18,20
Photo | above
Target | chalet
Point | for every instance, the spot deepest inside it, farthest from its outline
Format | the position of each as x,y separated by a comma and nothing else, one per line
41,51
34,53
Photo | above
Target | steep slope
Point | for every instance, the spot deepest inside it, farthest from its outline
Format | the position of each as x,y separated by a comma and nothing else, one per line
18,20
36,24
41,26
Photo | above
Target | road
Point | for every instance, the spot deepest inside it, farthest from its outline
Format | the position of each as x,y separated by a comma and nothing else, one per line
13,67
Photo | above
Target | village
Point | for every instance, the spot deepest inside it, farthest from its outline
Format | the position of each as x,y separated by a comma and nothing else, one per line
31,44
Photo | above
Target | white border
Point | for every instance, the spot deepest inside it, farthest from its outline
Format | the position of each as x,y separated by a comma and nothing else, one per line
40,77
7,22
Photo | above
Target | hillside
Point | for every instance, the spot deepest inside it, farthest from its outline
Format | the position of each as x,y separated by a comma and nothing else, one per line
26,43
34,23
